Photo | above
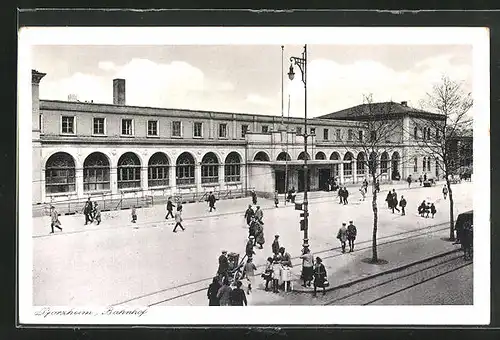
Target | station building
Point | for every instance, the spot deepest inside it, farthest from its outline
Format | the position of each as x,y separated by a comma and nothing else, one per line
83,149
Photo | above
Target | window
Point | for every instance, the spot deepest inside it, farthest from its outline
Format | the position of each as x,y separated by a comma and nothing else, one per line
176,129
415,164
428,164
428,133
348,166
423,164
129,171
223,130
349,134
232,168
437,168
437,133
127,127
299,130
209,168
265,128
68,125
152,128
360,136
325,134
98,128
384,161
60,173
158,170
244,130
197,132
415,132
373,136
96,172
184,170
337,134
313,131
360,164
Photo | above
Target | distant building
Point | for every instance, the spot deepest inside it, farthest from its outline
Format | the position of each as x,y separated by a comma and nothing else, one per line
88,149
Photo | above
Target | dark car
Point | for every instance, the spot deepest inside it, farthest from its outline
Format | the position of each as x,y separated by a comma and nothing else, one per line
464,219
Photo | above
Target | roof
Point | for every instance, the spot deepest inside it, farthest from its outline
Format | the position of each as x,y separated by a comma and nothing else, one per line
360,112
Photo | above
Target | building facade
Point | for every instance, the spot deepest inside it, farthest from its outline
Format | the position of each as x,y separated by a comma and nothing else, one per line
86,149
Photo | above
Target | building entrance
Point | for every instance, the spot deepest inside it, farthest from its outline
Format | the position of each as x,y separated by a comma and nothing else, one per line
300,181
279,181
324,175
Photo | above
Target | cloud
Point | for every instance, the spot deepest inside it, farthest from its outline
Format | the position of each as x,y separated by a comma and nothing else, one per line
106,65
258,99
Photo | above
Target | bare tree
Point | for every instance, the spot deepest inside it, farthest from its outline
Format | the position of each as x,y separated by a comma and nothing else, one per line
379,135
438,137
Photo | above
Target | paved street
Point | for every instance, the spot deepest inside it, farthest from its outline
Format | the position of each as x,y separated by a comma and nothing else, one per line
118,262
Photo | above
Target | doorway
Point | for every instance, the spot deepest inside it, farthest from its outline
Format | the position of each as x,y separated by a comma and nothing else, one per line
279,181
324,176
300,181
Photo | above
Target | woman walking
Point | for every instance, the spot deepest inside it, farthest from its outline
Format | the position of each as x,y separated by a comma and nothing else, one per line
224,293
238,297
213,289
319,276
307,267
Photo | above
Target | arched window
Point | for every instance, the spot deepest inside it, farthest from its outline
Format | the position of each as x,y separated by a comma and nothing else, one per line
415,132
428,164
320,155
348,166
303,155
335,156
335,167
232,167
261,156
360,164
384,160
158,170
60,173
129,171
428,133
283,156
209,168
415,164
96,172
424,164
184,170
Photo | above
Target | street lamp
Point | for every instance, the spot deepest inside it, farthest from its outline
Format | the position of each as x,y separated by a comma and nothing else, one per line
302,65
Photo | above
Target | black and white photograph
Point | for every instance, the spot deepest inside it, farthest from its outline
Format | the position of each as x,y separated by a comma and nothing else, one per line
333,174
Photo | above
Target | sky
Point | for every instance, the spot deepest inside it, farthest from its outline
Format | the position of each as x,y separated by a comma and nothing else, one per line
248,78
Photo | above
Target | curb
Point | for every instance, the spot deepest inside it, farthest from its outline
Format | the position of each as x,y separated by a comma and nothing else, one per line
389,271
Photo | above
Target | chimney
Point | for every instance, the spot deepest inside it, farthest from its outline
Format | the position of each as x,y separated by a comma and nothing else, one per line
119,91
405,103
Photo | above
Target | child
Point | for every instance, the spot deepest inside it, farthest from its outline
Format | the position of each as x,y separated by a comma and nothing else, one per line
268,272
276,274
134,215
286,276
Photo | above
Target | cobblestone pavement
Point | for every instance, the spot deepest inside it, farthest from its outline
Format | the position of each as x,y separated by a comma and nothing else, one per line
118,262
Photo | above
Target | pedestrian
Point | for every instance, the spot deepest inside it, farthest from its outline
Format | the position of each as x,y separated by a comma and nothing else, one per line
292,195
307,266
340,193
445,191
365,184
252,229
427,210
276,199
249,247
320,276
224,293
268,272
259,215
388,199
285,257
421,208
212,291
346,195
425,177
254,197
342,236
134,215
249,213
276,275
97,213
420,180
237,296
362,190
276,245
222,271
433,210
394,201
402,204
178,220
259,235
54,219
170,208
179,203
249,273
409,181
211,201
351,235
87,211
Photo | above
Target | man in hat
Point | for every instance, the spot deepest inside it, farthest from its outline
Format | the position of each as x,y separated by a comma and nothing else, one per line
54,219
170,208
276,245
211,201
351,235
223,265
342,236
249,247
259,215
87,211
249,213
402,204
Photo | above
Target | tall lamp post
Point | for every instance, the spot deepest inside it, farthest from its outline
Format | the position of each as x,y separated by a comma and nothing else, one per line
302,65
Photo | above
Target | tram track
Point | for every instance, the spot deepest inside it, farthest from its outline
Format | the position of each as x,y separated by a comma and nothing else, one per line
155,298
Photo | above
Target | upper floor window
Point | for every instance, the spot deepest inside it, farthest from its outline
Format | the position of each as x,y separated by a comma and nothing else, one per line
349,134
152,128
265,128
299,130
325,134
244,130
176,129
337,134
415,132
360,136
223,130
415,164
197,132
127,127
428,133
437,133
68,124
313,131
98,127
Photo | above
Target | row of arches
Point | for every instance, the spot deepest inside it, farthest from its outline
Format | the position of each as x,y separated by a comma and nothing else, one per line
283,156
60,171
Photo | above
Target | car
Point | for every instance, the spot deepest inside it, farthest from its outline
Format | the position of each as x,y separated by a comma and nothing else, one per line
464,219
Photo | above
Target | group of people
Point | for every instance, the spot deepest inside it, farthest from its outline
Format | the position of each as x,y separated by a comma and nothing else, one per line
343,195
425,208
347,234
92,212
178,214
392,202
223,295
255,225
313,271
278,268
